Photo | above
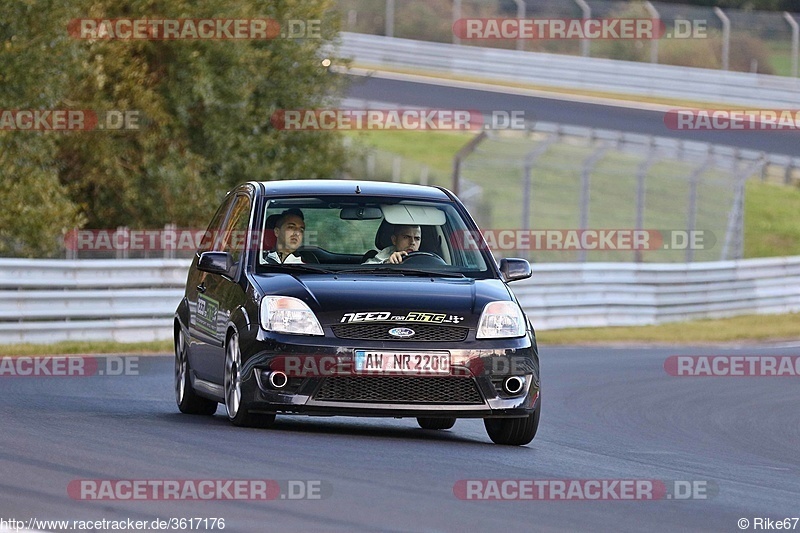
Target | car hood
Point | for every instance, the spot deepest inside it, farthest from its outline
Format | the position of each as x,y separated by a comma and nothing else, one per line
342,298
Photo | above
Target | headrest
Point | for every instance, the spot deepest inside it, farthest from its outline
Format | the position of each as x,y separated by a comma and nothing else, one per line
430,242
383,237
269,239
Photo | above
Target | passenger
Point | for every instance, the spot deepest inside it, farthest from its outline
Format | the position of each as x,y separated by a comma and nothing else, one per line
289,231
405,240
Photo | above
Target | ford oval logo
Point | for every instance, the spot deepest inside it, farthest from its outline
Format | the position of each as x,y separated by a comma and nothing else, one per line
403,333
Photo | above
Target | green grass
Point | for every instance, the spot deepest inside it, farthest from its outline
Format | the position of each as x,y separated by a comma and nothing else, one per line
741,328
780,57
87,348
435,149
771,225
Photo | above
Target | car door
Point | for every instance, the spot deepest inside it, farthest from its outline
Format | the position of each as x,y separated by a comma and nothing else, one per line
202,311
223,293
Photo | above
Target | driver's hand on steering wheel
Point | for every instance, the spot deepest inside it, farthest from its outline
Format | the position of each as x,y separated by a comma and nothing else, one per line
397,257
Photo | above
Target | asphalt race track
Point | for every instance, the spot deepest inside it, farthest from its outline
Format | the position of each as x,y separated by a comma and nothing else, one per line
408,93
609,414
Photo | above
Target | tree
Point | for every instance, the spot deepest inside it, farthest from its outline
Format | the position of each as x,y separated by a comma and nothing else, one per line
204,106
35,59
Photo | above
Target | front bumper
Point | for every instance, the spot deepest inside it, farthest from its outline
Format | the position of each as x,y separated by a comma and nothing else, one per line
474,388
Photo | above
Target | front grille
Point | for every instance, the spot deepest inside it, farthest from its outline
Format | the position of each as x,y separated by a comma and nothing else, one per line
380,332
399,389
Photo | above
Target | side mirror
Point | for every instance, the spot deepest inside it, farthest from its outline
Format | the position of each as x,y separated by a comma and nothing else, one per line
215,263
514,269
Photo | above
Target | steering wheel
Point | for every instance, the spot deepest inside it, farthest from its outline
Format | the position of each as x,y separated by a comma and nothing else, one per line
423,258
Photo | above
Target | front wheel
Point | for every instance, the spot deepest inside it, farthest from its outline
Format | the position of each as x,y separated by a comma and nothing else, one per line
513,431
237,413
435,423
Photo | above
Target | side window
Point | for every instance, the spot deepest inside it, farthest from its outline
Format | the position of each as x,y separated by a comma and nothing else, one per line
234,236
211,237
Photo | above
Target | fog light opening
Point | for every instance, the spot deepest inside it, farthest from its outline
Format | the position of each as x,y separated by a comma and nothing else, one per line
277,379
514,384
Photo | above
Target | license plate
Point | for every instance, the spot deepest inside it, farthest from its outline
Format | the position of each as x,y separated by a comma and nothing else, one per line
368,362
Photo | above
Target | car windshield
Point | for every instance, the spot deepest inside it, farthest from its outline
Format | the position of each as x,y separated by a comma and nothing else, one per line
330,234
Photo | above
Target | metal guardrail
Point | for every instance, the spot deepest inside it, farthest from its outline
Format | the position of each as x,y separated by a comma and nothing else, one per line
591,74
628,294
740,36
44,301
133,300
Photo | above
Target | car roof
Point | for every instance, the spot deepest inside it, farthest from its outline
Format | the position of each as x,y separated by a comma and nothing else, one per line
353,187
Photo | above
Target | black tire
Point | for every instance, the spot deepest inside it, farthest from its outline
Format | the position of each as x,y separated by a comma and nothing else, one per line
185,396
237,412
435,423
513,431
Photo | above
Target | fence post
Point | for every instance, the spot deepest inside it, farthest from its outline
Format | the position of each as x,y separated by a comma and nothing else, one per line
734,237
520,16
530,161
70,241
654,41
585,195
795,40
396,167
352,20
586,13
121,251
170,240
456,16
691,214
389,29
462,154
371,165
641,176
726,36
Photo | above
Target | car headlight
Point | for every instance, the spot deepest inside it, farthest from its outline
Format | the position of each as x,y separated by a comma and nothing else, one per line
284,314
501,320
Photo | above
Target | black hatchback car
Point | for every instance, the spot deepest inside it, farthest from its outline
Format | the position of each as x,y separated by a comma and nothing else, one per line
336,327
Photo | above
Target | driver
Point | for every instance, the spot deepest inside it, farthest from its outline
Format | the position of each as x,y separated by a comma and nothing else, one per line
289,231
405,240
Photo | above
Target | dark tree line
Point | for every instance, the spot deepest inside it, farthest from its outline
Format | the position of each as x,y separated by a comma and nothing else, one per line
204,109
